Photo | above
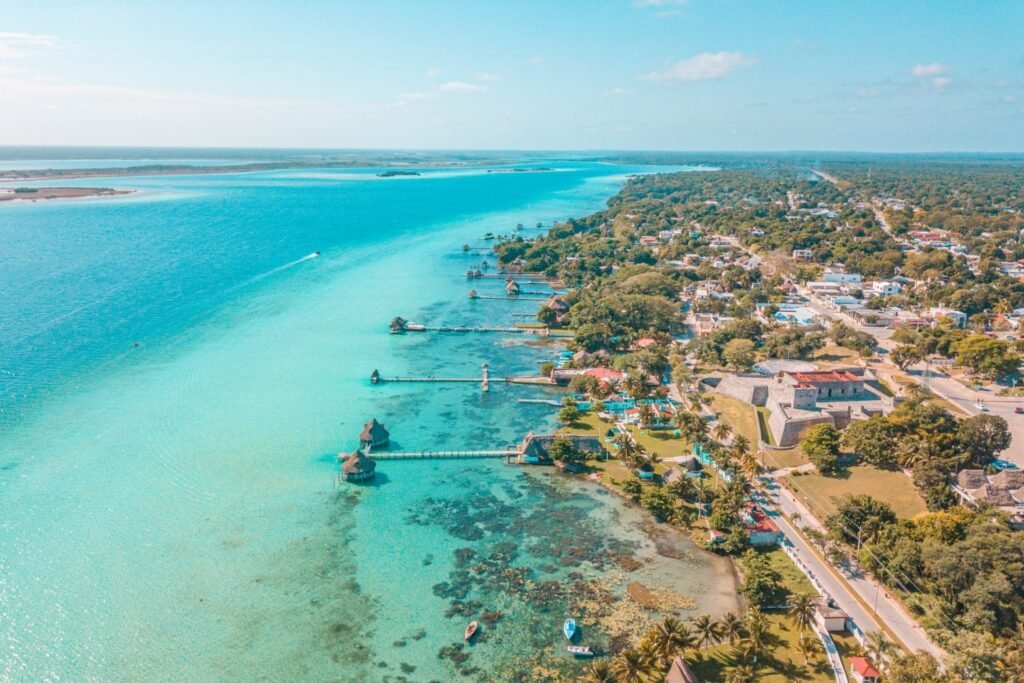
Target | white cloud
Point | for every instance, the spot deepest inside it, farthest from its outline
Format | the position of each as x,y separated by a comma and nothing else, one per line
432,72
868,92
15,45
488,77
941,82
926,70
461,86
616,92
1009,99
405,99
657,3
704,66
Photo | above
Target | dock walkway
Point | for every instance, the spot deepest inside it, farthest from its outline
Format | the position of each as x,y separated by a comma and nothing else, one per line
418,455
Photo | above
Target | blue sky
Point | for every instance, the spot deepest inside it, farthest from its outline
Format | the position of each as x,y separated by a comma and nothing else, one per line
598,74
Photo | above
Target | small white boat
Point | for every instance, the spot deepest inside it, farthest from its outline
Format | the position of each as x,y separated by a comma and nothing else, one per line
569,628
581,650
471,630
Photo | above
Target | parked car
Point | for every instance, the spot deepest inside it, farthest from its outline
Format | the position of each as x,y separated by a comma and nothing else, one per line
982,407
1019,410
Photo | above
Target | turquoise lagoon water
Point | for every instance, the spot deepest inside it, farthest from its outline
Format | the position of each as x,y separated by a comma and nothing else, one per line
176,381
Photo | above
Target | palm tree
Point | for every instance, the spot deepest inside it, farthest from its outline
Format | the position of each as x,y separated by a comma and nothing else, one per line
670,638
802,609
877,647
638,386
627,448
743,674
701,491
692,426
808,646
740,445
730,627
722,431
707,630
599,671
750,466
646,414
632,666
755,640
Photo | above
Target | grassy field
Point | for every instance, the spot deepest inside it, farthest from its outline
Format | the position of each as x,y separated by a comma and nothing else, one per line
784,662
832,356
895,488
739,415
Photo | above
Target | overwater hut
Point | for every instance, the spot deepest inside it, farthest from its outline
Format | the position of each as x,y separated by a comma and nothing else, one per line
512,288
374,377
473,294
534,448
357,466
374,435
557,304
465,247
397,325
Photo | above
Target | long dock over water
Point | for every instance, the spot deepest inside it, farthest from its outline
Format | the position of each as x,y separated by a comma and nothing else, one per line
418,455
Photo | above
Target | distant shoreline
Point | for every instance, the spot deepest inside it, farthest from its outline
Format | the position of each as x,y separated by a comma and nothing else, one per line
37,194
393,169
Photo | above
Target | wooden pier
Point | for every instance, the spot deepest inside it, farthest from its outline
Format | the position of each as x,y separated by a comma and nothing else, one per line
448,455
510,298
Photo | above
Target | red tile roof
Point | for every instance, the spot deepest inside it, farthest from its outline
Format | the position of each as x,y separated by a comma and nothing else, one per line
761,522
825,376
604,374
864,667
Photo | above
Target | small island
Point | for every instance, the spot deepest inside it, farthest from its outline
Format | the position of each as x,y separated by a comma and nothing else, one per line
396,173
34,194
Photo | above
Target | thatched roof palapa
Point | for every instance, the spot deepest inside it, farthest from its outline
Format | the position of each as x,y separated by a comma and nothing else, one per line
357,465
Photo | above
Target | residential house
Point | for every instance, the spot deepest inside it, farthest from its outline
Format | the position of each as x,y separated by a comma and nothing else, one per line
803,254
863,671
761,530
959,318
839,274
886,288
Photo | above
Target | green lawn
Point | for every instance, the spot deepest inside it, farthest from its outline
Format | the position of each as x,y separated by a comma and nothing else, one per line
894,488
784,663
738,415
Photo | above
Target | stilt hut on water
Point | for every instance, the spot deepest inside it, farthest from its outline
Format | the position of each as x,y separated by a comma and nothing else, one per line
512,288
374,435
357,466
473,294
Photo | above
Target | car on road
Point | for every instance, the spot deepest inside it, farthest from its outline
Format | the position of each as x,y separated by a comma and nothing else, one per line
982,407
1019,410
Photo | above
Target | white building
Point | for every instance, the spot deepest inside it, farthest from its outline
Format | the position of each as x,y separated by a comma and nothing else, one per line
886,288
833,274
803,254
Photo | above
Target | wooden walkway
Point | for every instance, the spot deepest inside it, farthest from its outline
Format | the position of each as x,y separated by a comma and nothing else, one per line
419,455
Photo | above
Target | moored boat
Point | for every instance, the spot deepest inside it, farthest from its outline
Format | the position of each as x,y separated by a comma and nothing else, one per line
581,650
471,630
569,628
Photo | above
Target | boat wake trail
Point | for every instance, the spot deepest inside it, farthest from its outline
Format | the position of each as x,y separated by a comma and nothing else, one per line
273,271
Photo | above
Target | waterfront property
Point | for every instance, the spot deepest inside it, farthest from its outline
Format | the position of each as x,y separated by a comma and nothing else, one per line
357,466
374,435
534,449
863,671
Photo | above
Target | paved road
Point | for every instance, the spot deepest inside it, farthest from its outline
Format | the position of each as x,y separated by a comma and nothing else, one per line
884,608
